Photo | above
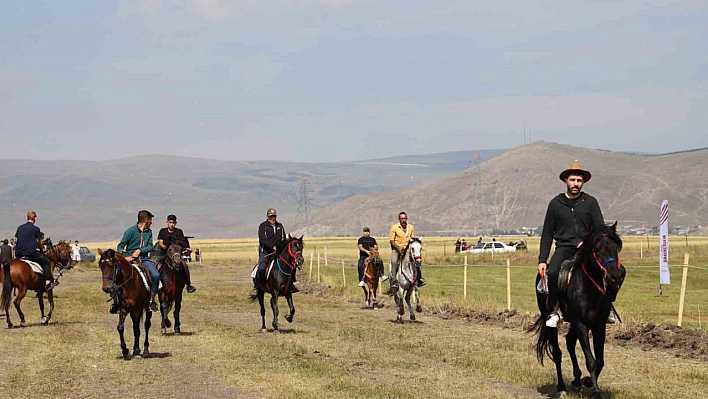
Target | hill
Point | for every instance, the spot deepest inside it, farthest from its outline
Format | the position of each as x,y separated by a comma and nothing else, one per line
96,201
513,190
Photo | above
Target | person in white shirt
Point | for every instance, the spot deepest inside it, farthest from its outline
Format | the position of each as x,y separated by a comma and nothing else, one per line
76,252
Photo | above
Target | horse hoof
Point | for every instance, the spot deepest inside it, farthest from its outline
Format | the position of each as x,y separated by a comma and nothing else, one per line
168,323
276,331
289,318
264,330
178,330
45,321
412,317
419,309
126,357
23,324
587,382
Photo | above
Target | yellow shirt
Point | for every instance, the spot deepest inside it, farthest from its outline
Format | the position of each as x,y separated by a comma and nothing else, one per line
401,236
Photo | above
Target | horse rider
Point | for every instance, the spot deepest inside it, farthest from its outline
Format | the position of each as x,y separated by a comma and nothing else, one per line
399,237
136,245
29,245
171,235
568,219
365,243
271,233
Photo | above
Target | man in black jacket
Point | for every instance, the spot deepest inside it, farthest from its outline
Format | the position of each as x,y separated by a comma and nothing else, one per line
568,220
172,235
271,233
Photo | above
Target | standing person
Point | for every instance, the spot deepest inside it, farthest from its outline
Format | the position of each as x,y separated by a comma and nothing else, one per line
365,243
399,237
12,245
458,245
271,234
29,242
76,252
171,235
137,244
568,219
5,253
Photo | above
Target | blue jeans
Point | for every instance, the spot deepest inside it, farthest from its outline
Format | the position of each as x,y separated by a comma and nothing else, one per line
262,264
154,273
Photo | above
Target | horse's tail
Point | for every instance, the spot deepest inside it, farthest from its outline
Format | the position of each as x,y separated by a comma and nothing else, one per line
252,298
6,287
545,334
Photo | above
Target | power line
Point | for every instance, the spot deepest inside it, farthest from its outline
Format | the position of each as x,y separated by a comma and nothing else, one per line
303,204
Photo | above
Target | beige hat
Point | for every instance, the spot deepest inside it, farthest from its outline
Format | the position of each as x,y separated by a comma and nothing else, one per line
576,168
271,212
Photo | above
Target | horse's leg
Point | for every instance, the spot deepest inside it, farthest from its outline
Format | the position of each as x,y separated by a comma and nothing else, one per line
399,305
408,302
261,301
163,312
570,340
178,308
557,357
366,295
50,299
418,308
598,345
590,361
21,292
274,307
40,300
135,317
121,330
148,323
289,298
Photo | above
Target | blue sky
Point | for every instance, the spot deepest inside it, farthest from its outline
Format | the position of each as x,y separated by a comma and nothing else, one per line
338,80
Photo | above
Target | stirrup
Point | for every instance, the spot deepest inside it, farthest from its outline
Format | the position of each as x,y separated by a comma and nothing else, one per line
610,319
191,288
554,319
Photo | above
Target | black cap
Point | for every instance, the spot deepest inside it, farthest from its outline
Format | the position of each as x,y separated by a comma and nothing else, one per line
172,218
367,229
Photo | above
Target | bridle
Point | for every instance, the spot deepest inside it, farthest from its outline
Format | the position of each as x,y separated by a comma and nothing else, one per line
114,277
292,255
603,267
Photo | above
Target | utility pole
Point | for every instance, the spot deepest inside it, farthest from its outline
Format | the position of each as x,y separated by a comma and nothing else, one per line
303,204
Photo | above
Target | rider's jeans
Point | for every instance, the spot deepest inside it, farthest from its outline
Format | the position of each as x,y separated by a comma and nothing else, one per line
560,255
394,264
154,273
262,263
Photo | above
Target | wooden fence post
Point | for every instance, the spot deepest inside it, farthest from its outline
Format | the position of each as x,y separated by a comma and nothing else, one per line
464,291
312,256
508,284
683,289
641,249
344,277
326,263
318,267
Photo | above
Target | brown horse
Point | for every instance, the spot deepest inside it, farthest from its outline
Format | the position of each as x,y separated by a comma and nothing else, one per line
173,282
371,278
123,281
20,275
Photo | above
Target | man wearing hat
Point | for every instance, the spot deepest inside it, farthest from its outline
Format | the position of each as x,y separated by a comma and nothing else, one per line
568,220
171,235
365,243
271,233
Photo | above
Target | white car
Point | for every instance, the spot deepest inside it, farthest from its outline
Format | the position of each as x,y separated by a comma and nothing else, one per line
494,246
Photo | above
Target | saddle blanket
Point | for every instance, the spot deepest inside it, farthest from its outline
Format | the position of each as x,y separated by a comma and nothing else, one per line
268,269
34,265
144,277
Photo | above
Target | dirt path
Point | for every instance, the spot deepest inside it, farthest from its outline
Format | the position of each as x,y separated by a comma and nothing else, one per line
334,349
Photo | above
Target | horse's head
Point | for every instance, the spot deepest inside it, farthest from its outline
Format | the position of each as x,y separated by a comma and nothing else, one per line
110,269
64,251
374,253
416,250
292,251
173,256
602,247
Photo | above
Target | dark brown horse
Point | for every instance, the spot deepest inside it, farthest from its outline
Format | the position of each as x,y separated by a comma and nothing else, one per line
123,281
371,278
20,275
173,282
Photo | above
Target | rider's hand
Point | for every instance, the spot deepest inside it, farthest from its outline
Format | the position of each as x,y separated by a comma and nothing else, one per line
542,269
129,258
136,253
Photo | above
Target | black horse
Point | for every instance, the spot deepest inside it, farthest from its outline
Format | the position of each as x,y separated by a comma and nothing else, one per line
585,303
286,261
172,274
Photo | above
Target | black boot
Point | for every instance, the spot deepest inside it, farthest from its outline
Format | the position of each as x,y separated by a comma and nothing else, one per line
153,304
421,282
254,291
115,308
188,280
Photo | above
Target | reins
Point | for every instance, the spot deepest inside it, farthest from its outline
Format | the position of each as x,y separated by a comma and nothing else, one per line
290,265
602,266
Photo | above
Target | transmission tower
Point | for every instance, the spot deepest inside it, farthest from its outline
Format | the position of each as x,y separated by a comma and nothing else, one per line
477,180
303,205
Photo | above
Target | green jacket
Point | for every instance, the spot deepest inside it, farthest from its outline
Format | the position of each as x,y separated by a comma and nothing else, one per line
131,241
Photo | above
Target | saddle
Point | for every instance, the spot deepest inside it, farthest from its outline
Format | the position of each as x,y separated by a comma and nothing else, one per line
144,272
565,273
254,273
36,267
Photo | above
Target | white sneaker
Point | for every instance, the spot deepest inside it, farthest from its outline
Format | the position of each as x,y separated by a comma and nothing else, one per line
384,278
361,283
610,320
553,320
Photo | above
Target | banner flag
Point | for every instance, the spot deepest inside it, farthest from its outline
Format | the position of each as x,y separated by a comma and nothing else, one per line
664,277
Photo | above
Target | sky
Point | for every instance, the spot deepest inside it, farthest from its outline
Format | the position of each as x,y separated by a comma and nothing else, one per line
341,80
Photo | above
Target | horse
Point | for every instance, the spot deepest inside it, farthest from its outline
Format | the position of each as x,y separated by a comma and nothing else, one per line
173,282
286,261
371,278
407,279
596,278
20,275
122,280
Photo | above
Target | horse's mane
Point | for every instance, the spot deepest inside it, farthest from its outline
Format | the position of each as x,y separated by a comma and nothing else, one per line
598,232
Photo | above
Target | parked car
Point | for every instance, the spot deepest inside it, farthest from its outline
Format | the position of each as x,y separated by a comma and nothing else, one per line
87,255
492,246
